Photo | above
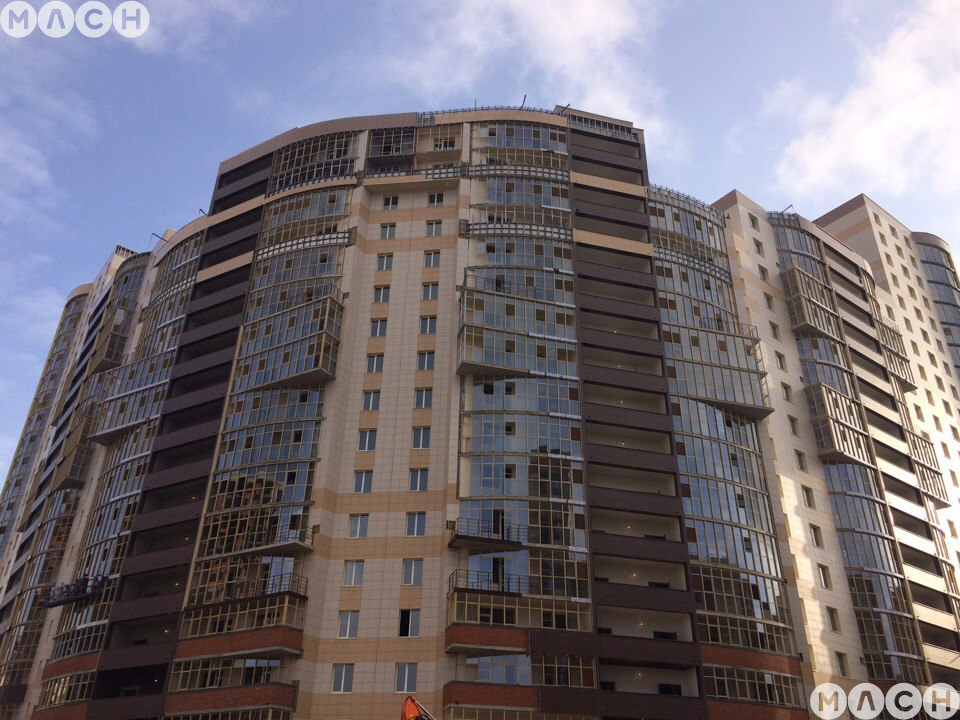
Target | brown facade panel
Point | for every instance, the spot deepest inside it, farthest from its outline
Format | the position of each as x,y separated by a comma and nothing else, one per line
638,548
736,657
723,710
509,696
622,704
288,639
247,696
641,597
132,707
70,665
70,711
638,502
483,636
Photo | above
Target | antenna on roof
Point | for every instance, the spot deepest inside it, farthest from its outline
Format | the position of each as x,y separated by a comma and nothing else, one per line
202,211
157,236
787,207
524,101
565,109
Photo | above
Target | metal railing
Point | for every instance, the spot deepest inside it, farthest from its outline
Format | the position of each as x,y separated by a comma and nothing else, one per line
274,585
491,529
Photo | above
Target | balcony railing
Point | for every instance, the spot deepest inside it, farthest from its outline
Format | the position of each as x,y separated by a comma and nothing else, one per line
224,592
517,584
80,589
508,532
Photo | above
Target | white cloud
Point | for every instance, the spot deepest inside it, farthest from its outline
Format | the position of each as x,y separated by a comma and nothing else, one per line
189,27
593,56
893,130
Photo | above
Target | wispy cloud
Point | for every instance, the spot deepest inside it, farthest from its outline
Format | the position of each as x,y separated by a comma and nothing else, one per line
562,50
893,130
189,28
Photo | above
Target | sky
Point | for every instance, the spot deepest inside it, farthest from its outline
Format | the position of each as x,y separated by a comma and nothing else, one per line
105,141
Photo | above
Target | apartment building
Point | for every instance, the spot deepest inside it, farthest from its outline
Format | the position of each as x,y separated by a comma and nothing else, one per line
457,404
863,389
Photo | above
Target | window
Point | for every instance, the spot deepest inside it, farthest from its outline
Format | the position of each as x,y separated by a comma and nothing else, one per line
817,535
367,441
754,223
388,231
409,623
385,261
421,438
768,300
371,400
353,573
342,677
381,294
435,199
423,398
758,247
419,479
434,228
764,274
781,361
833,619
787,392
808,497
876,218
378,327
842,669
428,325
953,528
406,678
416,524
358,526
794,425
431,291
375,363
824,573
413,571
801,460
775,331
391,202
363,481
349,619
431,258
425,360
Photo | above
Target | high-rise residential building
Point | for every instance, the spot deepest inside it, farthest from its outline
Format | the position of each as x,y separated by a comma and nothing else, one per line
457,404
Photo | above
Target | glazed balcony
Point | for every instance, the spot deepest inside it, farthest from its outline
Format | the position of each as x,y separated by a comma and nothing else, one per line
290,583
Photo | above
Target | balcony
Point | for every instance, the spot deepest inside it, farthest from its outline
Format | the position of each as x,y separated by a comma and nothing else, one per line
79,590
291,583
514,584
471,532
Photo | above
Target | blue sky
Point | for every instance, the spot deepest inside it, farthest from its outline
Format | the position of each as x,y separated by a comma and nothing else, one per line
104,141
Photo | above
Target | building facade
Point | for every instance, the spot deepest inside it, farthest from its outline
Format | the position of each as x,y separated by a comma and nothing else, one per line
459,404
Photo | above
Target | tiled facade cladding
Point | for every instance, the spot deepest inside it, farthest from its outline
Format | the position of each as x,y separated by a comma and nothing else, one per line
458,404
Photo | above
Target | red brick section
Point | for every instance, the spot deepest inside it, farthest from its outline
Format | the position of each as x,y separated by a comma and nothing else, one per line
272,695
241,642
71,665
721,710
714,655
465,693
487,636
73,711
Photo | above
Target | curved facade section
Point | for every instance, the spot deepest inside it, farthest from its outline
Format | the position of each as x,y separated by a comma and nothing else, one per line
718,395
941,273
885,618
